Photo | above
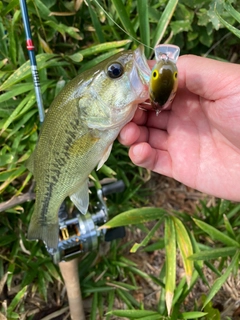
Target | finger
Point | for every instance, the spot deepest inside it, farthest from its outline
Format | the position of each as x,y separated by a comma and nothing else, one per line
129,134
204,77
144,155
158,121
140,117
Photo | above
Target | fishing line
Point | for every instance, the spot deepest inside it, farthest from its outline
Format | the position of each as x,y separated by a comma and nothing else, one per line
120,26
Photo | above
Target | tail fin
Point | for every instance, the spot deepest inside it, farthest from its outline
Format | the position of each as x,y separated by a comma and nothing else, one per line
47,233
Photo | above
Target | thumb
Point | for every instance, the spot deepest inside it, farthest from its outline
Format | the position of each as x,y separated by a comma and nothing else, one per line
208,78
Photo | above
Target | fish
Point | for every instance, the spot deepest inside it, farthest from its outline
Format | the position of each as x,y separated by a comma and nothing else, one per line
163,81
78,133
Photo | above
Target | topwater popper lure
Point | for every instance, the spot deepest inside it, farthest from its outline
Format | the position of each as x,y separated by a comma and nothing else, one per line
164,77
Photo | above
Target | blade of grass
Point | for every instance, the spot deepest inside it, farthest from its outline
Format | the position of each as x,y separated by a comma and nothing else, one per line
185,246
16,300
229,227
170,247
93,314
123,16
133,314
96,23
225,23
213,254
145,241
110,303
220,281
164,21
103,47
135,216
234,13
216,234
25,70
193,315
142,7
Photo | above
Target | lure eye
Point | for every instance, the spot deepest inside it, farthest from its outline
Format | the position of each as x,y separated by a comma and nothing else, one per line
115,70
155,74
175,75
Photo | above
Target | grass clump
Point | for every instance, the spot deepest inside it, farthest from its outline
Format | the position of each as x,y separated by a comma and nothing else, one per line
70,37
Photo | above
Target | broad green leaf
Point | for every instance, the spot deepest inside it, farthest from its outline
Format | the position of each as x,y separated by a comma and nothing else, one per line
170,248
216,234
214,254
135,216
145,241
185,246
220,281
164,21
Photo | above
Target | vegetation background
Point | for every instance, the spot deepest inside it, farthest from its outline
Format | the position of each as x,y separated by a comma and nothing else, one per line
69,37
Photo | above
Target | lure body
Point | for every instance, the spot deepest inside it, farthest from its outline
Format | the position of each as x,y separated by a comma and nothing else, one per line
77,135
164,77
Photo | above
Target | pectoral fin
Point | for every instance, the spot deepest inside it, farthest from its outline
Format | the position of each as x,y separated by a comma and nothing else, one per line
105,156
81,198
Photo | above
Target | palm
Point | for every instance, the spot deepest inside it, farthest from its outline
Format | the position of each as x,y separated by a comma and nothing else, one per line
197,141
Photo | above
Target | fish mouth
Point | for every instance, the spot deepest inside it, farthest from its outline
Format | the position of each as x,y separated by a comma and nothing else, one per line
142,64
141,75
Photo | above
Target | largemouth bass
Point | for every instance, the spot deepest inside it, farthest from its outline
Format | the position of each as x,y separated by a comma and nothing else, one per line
164,77
77,135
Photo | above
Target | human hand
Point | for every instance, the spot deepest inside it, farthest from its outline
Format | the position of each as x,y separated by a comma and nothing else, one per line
197,141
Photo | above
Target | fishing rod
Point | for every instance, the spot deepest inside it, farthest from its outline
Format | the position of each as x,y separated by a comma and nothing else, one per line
32,58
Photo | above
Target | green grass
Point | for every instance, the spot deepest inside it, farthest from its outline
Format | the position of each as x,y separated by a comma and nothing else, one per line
69,39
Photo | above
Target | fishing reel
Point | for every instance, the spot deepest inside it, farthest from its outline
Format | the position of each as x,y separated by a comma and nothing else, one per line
80,233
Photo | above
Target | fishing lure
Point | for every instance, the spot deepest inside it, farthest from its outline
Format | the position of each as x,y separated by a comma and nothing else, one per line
164,77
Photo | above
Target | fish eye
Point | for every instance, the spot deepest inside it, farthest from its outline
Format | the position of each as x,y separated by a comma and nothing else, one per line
175,75
115,70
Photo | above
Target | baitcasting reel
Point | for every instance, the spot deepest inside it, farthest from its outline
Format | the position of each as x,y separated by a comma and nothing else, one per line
80,233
